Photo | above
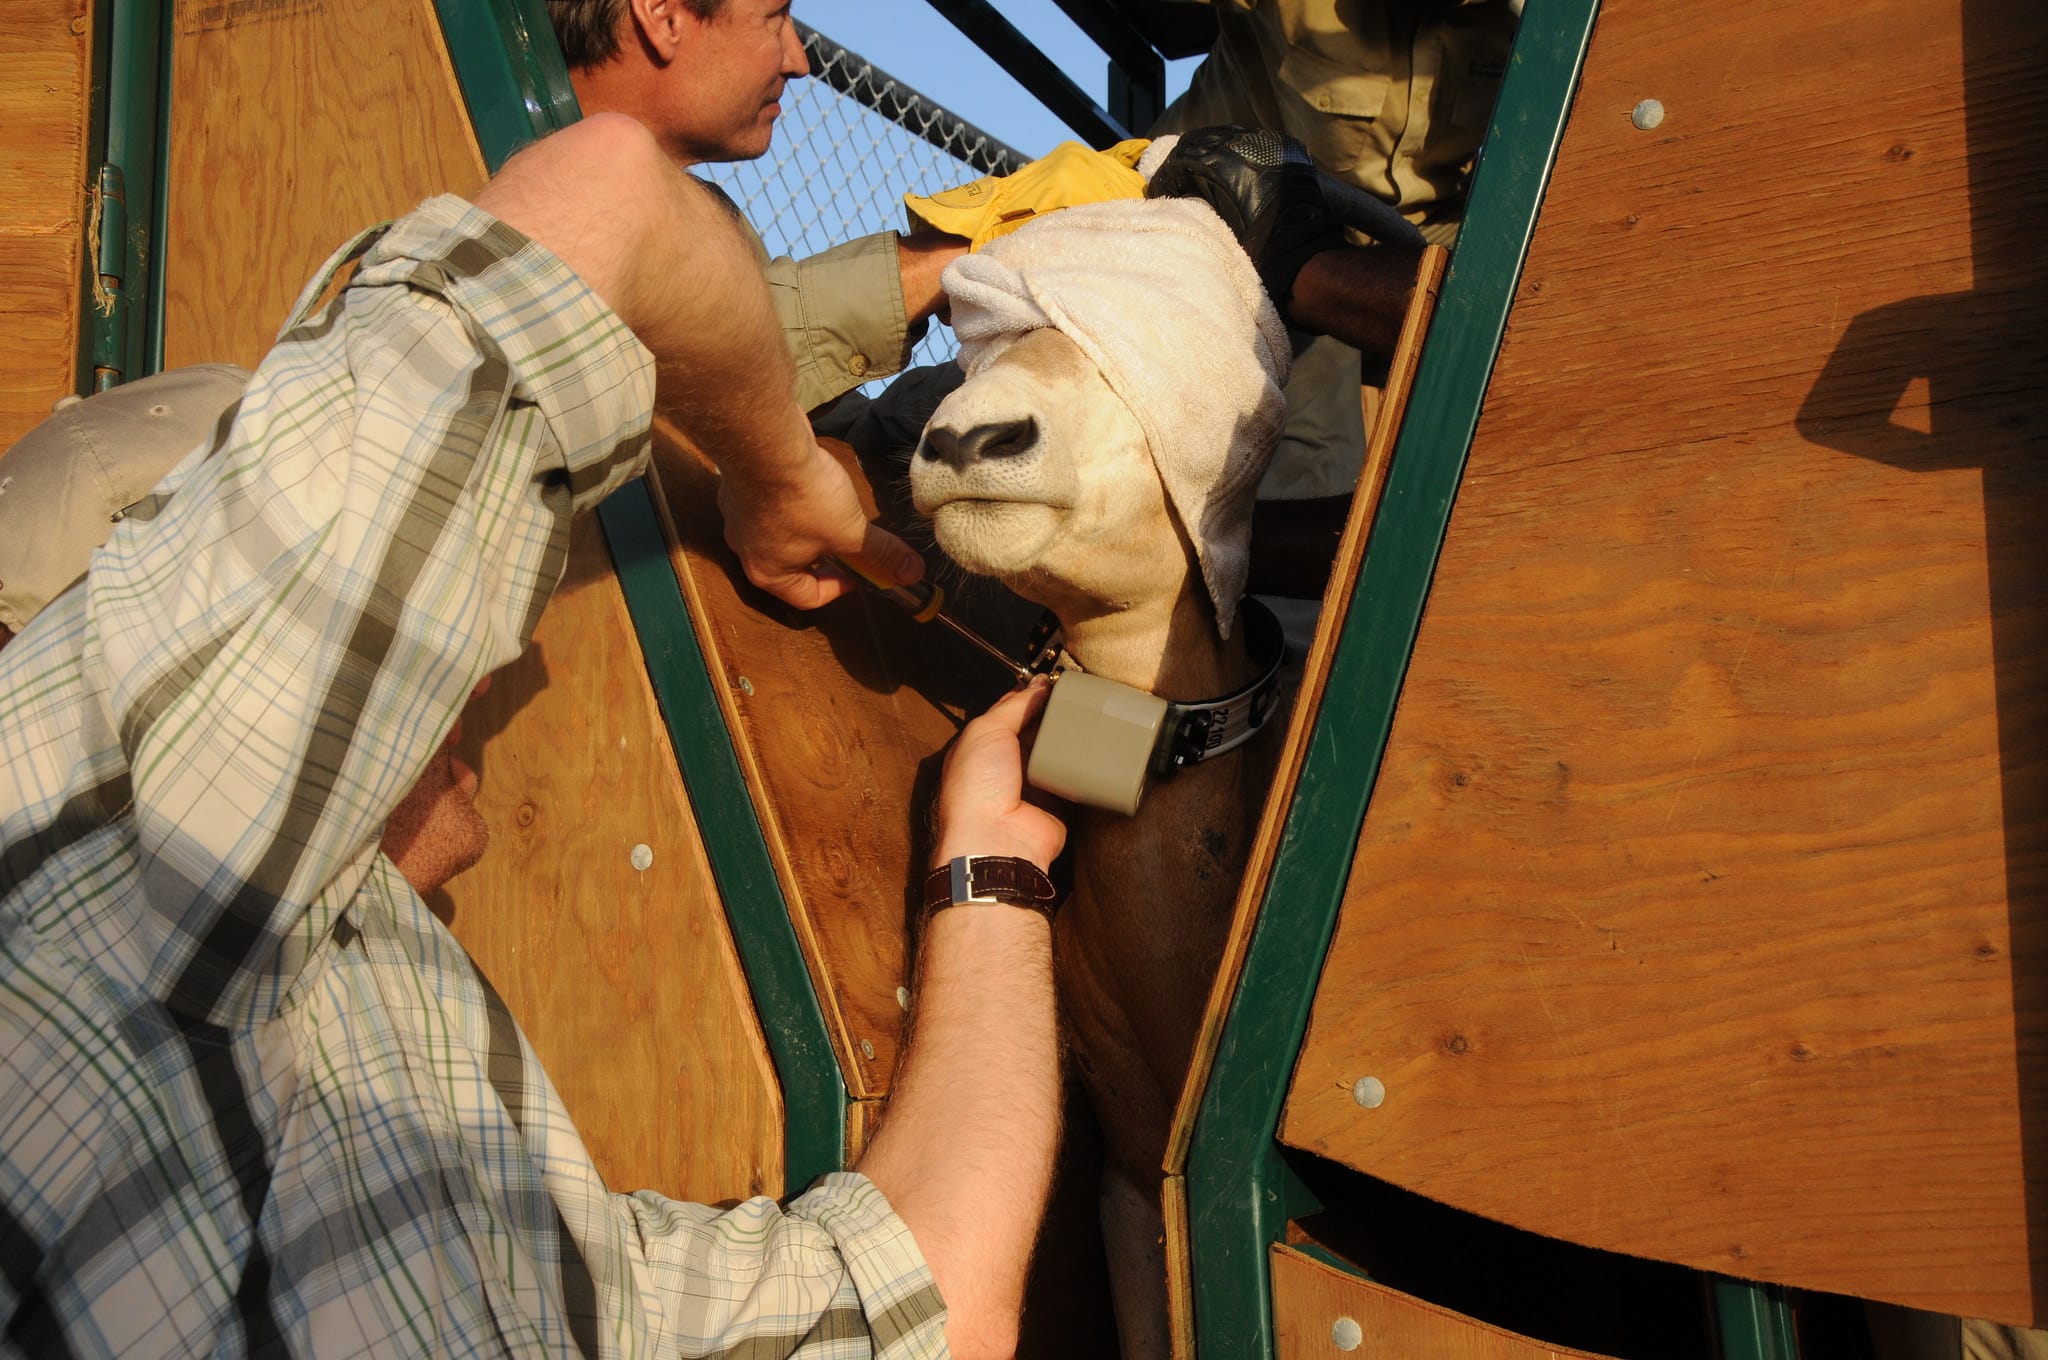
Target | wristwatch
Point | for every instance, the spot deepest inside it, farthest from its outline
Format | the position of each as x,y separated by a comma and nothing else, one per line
987,880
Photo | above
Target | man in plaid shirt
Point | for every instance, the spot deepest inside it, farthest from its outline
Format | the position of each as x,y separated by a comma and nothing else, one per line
253,1097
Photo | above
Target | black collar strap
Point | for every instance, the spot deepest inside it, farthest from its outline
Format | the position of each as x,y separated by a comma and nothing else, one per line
1196,731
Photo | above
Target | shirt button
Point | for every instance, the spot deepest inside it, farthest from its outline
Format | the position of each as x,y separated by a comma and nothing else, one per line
858,365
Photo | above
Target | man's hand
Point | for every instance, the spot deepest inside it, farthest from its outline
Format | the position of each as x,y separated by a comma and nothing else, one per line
1263,185
981,804
785,527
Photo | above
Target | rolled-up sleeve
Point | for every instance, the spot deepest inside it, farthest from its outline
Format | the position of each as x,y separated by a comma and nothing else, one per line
836,1276
842,316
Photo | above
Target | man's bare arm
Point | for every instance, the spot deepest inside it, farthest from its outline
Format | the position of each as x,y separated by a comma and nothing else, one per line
965,1152
1359,294
921,258
666,257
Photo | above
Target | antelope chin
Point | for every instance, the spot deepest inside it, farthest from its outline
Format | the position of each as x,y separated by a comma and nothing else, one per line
995,538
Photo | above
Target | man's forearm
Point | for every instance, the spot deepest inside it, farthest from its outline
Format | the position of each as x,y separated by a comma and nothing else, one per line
965,1153
1358,294
921,259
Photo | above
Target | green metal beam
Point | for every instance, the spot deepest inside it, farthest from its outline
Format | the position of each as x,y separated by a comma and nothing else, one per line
1238,1181
517,88
511,71
119,313
98,61
1755,1321
160,200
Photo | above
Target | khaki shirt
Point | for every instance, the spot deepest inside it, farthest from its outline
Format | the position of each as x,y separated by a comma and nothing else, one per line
841,310
1392,95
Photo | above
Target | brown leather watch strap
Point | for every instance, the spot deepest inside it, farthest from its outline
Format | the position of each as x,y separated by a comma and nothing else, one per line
990,879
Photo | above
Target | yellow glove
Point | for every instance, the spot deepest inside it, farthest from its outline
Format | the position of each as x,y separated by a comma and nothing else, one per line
997,205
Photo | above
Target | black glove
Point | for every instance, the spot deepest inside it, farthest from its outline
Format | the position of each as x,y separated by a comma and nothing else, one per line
1263,185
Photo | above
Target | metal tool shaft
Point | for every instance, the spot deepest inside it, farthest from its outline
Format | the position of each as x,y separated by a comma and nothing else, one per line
925,602
978,640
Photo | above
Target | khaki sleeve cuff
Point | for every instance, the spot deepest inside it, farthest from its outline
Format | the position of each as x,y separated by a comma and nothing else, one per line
842,316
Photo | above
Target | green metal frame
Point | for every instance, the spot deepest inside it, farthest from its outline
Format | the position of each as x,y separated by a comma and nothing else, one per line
1240,1188
90,340
1755,1321
517,88
152,327
511,71
130,110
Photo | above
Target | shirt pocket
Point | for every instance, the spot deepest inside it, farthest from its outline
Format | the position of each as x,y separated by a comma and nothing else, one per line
1342,84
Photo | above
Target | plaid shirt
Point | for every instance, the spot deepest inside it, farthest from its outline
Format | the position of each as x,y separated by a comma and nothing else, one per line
253,1096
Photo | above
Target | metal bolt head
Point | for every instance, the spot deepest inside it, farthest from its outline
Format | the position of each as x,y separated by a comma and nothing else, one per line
1346,1334
642,857
867,1050
1370,1092
903,997
1647,115
746,685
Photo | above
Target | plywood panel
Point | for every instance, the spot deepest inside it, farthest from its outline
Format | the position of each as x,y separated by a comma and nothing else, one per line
1698,913
838,718
45,47
38,328
625,979
293,125
1312,1300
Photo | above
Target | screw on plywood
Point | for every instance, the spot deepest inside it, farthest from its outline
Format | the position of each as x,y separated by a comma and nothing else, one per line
1647,115
903,997
1346,1334
746,685
642,857
1370,1092
867,1049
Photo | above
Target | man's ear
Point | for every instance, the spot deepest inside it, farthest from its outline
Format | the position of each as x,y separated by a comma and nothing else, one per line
660,25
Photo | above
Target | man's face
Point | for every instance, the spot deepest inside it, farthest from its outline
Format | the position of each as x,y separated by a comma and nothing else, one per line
436,832
727,79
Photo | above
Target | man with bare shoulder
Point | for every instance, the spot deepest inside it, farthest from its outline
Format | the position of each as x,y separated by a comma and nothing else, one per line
255,1098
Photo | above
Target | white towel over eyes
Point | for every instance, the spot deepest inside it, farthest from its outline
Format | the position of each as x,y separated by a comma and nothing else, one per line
1158,294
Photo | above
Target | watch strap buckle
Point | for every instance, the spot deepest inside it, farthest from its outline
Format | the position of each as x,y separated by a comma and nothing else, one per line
990,880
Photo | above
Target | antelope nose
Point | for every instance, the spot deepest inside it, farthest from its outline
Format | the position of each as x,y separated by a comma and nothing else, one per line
1005,439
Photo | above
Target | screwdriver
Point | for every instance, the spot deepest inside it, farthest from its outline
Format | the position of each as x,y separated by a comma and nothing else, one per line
924,602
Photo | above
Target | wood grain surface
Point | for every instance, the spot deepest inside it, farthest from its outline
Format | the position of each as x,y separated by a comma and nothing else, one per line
625,980
838,718
45,47
1310,1299
294,125
1698,912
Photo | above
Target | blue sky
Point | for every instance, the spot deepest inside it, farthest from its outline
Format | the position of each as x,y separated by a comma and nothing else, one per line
911,41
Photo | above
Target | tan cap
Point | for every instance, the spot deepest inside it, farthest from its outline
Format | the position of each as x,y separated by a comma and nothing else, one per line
62,483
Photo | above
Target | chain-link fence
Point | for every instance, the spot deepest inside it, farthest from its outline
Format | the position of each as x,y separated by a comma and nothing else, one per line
850,143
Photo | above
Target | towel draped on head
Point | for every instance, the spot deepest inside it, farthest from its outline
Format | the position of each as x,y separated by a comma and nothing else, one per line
1161,298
